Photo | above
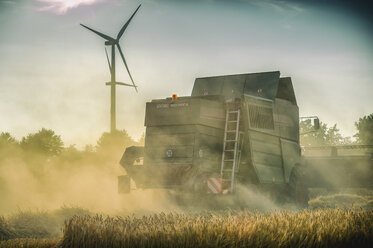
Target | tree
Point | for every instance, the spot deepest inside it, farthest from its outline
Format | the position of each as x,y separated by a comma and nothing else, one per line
365,130
334,137
114,141
9,146
44,142
324,136
7,140
70,153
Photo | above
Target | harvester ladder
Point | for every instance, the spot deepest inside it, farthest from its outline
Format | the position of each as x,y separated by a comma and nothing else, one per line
231,147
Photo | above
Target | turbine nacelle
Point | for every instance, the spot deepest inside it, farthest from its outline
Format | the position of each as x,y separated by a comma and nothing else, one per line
110,43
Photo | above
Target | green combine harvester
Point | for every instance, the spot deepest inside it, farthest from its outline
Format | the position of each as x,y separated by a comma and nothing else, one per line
233,130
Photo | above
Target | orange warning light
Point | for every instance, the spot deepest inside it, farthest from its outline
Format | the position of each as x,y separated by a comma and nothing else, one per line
174,96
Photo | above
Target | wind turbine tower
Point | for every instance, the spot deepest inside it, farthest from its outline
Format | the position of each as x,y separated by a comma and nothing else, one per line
109,41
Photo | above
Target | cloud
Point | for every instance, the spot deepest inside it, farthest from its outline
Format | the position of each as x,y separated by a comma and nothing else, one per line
62,6
7,2
279,6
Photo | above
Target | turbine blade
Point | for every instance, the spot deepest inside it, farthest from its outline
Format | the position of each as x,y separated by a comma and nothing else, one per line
107,57
126,24
120,83
106,37
124,84
124,61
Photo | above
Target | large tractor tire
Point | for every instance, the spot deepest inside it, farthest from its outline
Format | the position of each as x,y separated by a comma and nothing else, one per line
298,187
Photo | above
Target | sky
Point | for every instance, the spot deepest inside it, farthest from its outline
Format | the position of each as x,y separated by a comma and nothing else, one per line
53,71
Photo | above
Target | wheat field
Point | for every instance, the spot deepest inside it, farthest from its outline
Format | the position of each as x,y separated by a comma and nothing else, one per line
319,228
323,225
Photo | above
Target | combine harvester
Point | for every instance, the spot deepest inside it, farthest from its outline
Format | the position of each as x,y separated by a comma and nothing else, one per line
233,130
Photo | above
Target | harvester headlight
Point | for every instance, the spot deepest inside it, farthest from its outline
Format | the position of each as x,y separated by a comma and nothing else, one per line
169,153
200,153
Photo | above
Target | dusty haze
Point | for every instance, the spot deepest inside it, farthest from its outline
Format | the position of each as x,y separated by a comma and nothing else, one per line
52,71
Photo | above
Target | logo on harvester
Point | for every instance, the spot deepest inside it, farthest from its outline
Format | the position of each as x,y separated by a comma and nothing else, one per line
169,153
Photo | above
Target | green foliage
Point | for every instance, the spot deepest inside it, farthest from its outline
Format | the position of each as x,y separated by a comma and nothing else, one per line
114,142
89,149
44,142
324,136
365,130
70,153
7,140
9,146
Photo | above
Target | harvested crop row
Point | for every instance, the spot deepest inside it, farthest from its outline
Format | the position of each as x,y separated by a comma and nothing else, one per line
320,228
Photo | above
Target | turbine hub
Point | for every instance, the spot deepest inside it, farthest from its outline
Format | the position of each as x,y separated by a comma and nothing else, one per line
110,43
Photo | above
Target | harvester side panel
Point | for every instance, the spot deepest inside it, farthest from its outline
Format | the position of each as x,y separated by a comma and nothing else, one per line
266,157
265,149
290,151
287,120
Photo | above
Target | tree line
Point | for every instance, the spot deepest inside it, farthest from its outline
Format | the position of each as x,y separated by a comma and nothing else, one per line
46,143
331,136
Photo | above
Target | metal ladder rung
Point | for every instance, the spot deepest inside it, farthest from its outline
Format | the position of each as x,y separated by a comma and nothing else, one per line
231,130
228,166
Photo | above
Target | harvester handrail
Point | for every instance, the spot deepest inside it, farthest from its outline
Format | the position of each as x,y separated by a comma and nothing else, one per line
338,147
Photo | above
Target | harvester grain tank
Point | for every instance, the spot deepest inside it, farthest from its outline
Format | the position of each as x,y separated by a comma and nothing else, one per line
235,129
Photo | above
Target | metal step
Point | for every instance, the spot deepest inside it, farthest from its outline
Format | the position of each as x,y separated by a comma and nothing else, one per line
228,166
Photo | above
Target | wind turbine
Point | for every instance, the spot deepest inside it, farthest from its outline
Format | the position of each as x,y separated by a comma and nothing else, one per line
115,42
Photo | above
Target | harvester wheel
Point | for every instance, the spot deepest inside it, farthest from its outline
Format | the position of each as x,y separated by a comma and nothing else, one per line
298,187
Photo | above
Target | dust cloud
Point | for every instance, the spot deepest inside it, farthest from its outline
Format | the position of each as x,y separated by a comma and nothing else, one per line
73,178
93,186
88,179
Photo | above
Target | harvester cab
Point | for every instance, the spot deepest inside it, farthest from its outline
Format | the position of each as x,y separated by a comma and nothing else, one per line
232,129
